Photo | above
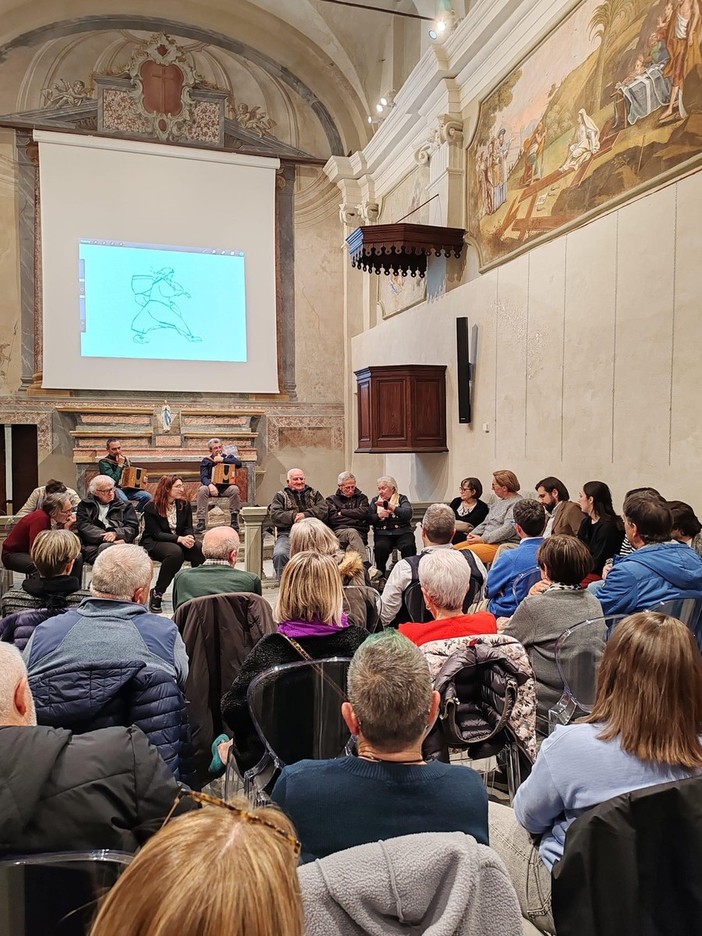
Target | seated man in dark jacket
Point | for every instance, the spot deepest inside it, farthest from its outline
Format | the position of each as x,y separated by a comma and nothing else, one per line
65,792
103,520
348,514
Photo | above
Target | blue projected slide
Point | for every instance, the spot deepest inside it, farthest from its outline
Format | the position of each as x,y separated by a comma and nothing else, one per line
154,302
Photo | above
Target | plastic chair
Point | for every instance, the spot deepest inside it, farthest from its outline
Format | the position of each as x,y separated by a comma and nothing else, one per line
687,610
578,653
296,711
523,582
55,894
363,605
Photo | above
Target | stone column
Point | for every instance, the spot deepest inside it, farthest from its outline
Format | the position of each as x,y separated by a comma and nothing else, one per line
253,519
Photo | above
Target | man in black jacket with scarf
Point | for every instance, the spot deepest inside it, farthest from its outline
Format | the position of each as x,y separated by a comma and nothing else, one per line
296,501
66,792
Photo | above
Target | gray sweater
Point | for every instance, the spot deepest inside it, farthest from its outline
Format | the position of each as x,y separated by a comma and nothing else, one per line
537,623
497,527
442,883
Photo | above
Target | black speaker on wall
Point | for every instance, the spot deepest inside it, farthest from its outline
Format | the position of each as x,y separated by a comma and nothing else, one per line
463,370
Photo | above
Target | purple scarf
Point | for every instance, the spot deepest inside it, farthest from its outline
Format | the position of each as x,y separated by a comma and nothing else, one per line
315,628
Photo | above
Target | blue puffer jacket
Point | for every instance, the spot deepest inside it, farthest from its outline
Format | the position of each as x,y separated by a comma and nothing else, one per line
651,574
101,695
17,628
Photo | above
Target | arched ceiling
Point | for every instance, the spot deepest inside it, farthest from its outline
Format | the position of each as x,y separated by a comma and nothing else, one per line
344,57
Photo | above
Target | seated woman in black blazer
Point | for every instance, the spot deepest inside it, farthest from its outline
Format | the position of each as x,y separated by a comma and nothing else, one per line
168,535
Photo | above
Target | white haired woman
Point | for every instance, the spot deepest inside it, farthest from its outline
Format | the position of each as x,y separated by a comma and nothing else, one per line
390,514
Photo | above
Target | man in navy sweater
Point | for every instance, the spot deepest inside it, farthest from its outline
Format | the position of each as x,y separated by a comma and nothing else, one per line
388,790
208,489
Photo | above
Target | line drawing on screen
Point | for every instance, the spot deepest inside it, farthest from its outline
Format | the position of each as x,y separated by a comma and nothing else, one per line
161,302
155,296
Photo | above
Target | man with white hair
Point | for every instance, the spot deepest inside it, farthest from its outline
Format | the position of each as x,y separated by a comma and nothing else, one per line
103,520
218,575
66,792
438,527
444,577
348,514
296,501
113,625
208,489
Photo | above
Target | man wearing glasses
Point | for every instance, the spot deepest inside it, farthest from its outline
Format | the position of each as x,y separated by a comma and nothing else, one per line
103,519
348,514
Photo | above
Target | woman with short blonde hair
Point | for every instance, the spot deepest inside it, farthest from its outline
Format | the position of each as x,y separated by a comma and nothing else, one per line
312,625
214,872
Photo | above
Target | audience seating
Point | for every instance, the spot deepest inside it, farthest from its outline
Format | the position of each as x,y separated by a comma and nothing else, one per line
687,610
631,865
578,652
524,582
55,894
296,710
363,605
488,702
219,631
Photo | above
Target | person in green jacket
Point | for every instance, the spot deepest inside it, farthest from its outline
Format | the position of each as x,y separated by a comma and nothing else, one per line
218,574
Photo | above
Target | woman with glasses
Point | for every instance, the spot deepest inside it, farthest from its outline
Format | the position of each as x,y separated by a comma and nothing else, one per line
468,509
225,870
56,512
168,535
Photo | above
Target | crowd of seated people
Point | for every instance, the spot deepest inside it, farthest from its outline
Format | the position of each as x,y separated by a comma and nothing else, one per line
63,708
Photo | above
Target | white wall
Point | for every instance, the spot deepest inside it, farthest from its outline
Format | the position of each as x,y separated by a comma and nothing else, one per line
588,363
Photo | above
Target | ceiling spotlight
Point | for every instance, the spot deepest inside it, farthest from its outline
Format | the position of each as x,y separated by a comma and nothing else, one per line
441,26
433,34
379,108
370,119
384,101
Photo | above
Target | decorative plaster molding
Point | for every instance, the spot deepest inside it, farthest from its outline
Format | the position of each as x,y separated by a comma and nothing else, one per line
369,212
276,424
349,215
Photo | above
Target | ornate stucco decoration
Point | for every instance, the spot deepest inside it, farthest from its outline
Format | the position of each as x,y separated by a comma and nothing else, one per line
163,79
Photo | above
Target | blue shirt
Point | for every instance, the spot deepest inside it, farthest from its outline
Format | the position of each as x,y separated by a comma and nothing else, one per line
576,770
505,570
336,804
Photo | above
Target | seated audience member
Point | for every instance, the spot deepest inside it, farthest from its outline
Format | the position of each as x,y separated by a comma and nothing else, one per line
209,490
390,514
50,593
218,574
644,729
310,535
686,526
293,504
564,515
602,529
468,509
168,535
658,569
541,618
626,547
529,522
388,790
112,465
348,514
113,625
103,520
228,869
445,579
36,498
66,792
56,511
438,526
311,623
497,527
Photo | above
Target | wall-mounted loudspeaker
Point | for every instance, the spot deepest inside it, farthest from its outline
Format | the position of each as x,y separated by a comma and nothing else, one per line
463,369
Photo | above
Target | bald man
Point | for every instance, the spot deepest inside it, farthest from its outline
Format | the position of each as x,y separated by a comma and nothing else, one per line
65,792
217,575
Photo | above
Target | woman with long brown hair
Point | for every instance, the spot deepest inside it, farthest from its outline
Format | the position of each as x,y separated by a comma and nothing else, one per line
645,729
168,534
226,871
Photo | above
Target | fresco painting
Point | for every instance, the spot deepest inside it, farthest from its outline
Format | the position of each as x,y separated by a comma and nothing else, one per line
610,101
